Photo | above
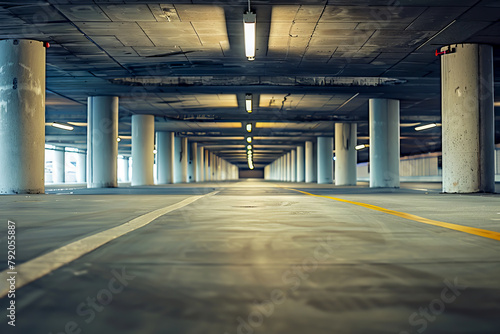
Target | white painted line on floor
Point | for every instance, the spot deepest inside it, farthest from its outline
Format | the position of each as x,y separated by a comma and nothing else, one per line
45,264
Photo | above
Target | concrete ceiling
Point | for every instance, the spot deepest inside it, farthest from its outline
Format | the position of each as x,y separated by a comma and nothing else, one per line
317,63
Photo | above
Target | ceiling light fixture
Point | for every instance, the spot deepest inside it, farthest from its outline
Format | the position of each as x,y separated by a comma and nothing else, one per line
361,147
249,20
62,126
248,103
249,127
249,140
426,127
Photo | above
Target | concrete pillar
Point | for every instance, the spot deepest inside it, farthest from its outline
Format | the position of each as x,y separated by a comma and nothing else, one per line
58,165
468,119
192,156
308,161
288,170
345,153
300,164
81,167
22,117
185,159
165,155
177,160
207,165
384,143
283,168
143,127
200,164
325,160
102,144
293,167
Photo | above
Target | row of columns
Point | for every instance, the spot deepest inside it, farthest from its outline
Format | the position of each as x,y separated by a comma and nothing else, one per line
318,163
178,160
467,125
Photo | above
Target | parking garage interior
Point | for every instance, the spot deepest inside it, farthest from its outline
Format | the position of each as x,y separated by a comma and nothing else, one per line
250,167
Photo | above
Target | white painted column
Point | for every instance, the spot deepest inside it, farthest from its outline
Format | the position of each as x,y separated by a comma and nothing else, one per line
193,151
165,155
207,165
177,159
293,167
200,164
22,117
325,160
102,144
288,167
384,143
81,167
143,129
345,153
283,168
468,119
308,161
300,164
58,165
185,159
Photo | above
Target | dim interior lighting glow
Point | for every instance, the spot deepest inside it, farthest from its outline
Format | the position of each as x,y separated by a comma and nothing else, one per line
249,20
249,140
360,147
426,127
248,103
62,126
249,127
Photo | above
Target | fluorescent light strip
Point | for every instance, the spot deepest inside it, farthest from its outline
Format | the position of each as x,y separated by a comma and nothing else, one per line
426,127
360,147
346,102
249,20
62,126
248,106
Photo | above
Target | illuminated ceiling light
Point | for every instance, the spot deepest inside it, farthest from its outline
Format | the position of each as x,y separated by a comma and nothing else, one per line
249,147
360,147
249,127
118,139
62,126
249,140
248,103
426,127
154,151
249,20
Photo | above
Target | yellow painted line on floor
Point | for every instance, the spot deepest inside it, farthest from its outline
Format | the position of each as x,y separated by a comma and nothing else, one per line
466,229
42,265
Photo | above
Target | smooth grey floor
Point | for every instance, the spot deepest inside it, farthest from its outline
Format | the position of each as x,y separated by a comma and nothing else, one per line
258,257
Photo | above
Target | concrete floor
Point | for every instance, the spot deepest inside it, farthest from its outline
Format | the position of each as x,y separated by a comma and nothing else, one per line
258,257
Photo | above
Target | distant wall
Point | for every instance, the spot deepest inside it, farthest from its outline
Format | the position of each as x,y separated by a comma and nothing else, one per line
251,174
421,165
